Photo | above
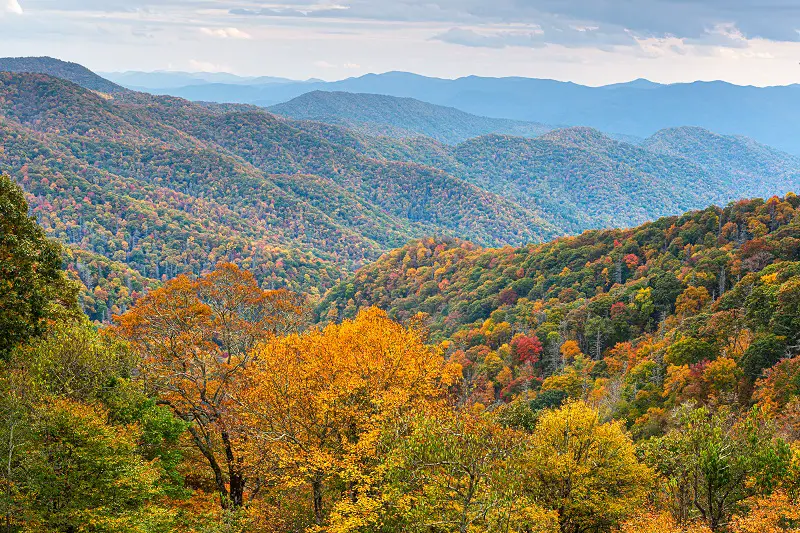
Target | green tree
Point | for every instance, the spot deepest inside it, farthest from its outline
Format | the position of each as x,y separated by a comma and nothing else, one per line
713,461
82,475
763,353
33,287
460,472
689,351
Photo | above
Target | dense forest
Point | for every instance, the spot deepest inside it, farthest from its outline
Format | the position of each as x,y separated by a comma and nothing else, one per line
154,187
641,380
141,188
217,320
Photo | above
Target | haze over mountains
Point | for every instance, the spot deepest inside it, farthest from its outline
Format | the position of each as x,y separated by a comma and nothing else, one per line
151,186
639,108
400,117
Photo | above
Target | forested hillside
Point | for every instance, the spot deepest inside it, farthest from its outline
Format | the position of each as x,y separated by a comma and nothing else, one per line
390,116
160,186
582,179
142,188
646,318
624,381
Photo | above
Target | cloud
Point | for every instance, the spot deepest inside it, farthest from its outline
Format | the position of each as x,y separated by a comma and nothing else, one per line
467,37
206,66
226,33
267,12
569,35
11,6
778,20
346,66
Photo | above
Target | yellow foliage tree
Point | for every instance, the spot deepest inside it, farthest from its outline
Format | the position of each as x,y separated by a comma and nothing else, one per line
317,403
776,513
585,470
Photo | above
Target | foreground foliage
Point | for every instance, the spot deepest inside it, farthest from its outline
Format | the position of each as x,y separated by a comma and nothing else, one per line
663,401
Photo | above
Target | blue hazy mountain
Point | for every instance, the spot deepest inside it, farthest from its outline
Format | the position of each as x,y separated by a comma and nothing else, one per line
376,114
166,81
640,108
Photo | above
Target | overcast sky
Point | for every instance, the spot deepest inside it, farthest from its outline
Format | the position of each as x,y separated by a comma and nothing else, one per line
587,41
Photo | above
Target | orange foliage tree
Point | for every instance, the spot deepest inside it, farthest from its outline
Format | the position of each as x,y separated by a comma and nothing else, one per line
318,402
195,338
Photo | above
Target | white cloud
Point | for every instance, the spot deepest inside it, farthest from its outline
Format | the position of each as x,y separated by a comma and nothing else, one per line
346,66
206,66
11,6
225,33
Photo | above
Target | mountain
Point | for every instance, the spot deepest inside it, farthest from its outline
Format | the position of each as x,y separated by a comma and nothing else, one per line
150,186
770,115
399,117
745,166
162,186
582,179
73,72
161,81
585,179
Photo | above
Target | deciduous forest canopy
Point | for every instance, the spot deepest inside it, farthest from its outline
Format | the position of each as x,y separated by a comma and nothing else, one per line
214,319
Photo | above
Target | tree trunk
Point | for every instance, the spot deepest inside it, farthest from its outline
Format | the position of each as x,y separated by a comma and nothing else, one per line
219,479
316,486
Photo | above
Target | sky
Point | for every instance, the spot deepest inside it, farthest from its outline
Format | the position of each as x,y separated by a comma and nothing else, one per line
593,42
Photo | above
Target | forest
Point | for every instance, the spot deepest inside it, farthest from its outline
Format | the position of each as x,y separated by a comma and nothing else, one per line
641,380
142,188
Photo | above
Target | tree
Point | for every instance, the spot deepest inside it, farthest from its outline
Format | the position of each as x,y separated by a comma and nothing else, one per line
526,349
585,470
33,288
765,351
712,461
459,472
776,513
317,403
82,475
689,351
194,339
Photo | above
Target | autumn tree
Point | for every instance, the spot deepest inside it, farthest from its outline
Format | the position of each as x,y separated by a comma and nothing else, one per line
775,513
194,339
713,461
81,474
583,469
317,403
460,472
33,288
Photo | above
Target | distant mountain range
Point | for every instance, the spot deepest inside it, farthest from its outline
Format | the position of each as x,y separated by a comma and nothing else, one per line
400,117
640,108
150,186
160,81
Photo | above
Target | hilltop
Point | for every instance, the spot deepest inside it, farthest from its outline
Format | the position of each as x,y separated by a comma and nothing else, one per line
73,72
399,117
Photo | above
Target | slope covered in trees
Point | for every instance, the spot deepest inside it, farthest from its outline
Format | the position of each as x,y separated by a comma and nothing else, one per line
682,308
211,405
142,188
741,163
582,179
400,117
164,186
